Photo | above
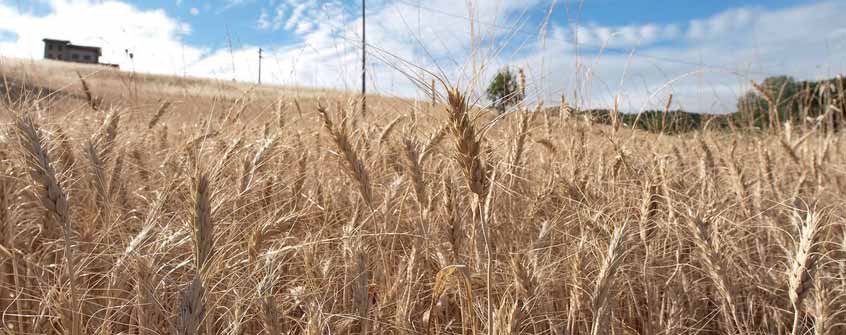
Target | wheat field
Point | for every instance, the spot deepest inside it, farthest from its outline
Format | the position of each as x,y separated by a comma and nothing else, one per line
133,206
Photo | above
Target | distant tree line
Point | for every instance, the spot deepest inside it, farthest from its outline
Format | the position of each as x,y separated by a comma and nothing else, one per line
781,99
669,122
769,104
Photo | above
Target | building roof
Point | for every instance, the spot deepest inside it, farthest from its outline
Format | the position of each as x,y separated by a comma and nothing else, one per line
74,46
50,40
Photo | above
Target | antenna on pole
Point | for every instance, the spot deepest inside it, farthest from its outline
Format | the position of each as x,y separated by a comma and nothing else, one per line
363,61
259,69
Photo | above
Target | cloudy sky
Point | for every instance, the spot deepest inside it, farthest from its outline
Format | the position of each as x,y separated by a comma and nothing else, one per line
704,52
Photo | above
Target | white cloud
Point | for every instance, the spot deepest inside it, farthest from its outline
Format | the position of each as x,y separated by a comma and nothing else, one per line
278,17
265,23
263,20
729,21
296,15
596,36
228,4
303,27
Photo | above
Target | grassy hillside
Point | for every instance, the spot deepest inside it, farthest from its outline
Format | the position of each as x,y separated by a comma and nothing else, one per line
59,87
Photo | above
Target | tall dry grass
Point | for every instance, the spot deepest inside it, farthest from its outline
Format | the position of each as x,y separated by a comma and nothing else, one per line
255,217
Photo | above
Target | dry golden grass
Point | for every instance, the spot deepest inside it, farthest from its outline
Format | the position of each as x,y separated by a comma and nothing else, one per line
265,213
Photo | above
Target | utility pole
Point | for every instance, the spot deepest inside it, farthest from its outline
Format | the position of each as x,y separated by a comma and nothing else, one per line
363,61
259,74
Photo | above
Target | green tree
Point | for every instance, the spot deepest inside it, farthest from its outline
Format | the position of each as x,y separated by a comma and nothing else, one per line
752,110
754,107
784,90
504,90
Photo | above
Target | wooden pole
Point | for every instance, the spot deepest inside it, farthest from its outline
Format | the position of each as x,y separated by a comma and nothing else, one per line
259,69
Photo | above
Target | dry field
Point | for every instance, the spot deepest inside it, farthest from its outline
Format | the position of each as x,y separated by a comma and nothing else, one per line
157,205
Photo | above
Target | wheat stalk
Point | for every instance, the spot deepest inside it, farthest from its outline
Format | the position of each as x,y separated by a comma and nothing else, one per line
146,310
432,142
116,175
54,199
89,97
355,166
269,312
520,140
98,176
714,266
802,264
160,112
66,157
281,106
824,300
192,308
201,223
414,170
105,139
771,103
467,144
603,287
386,132
254,165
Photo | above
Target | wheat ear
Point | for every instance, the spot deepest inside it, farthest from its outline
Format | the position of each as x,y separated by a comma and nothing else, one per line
710,257
411,148
431,142
53,197
520,141
105,140
201,223
467,144
89,97
386,133
605,280
355,166
824,301
192,307
146,309
803,264
163,108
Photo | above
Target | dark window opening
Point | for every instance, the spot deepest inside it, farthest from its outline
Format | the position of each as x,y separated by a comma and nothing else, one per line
86,57
60,48
49,47
74,56
60,57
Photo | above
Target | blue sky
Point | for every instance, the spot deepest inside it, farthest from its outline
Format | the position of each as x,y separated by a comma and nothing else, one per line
704,52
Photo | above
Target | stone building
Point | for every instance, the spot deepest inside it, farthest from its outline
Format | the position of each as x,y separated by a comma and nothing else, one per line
65,51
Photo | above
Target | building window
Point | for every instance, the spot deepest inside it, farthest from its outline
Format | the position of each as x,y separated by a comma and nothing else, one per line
49,47
60,48
60,57
74,56
86,57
